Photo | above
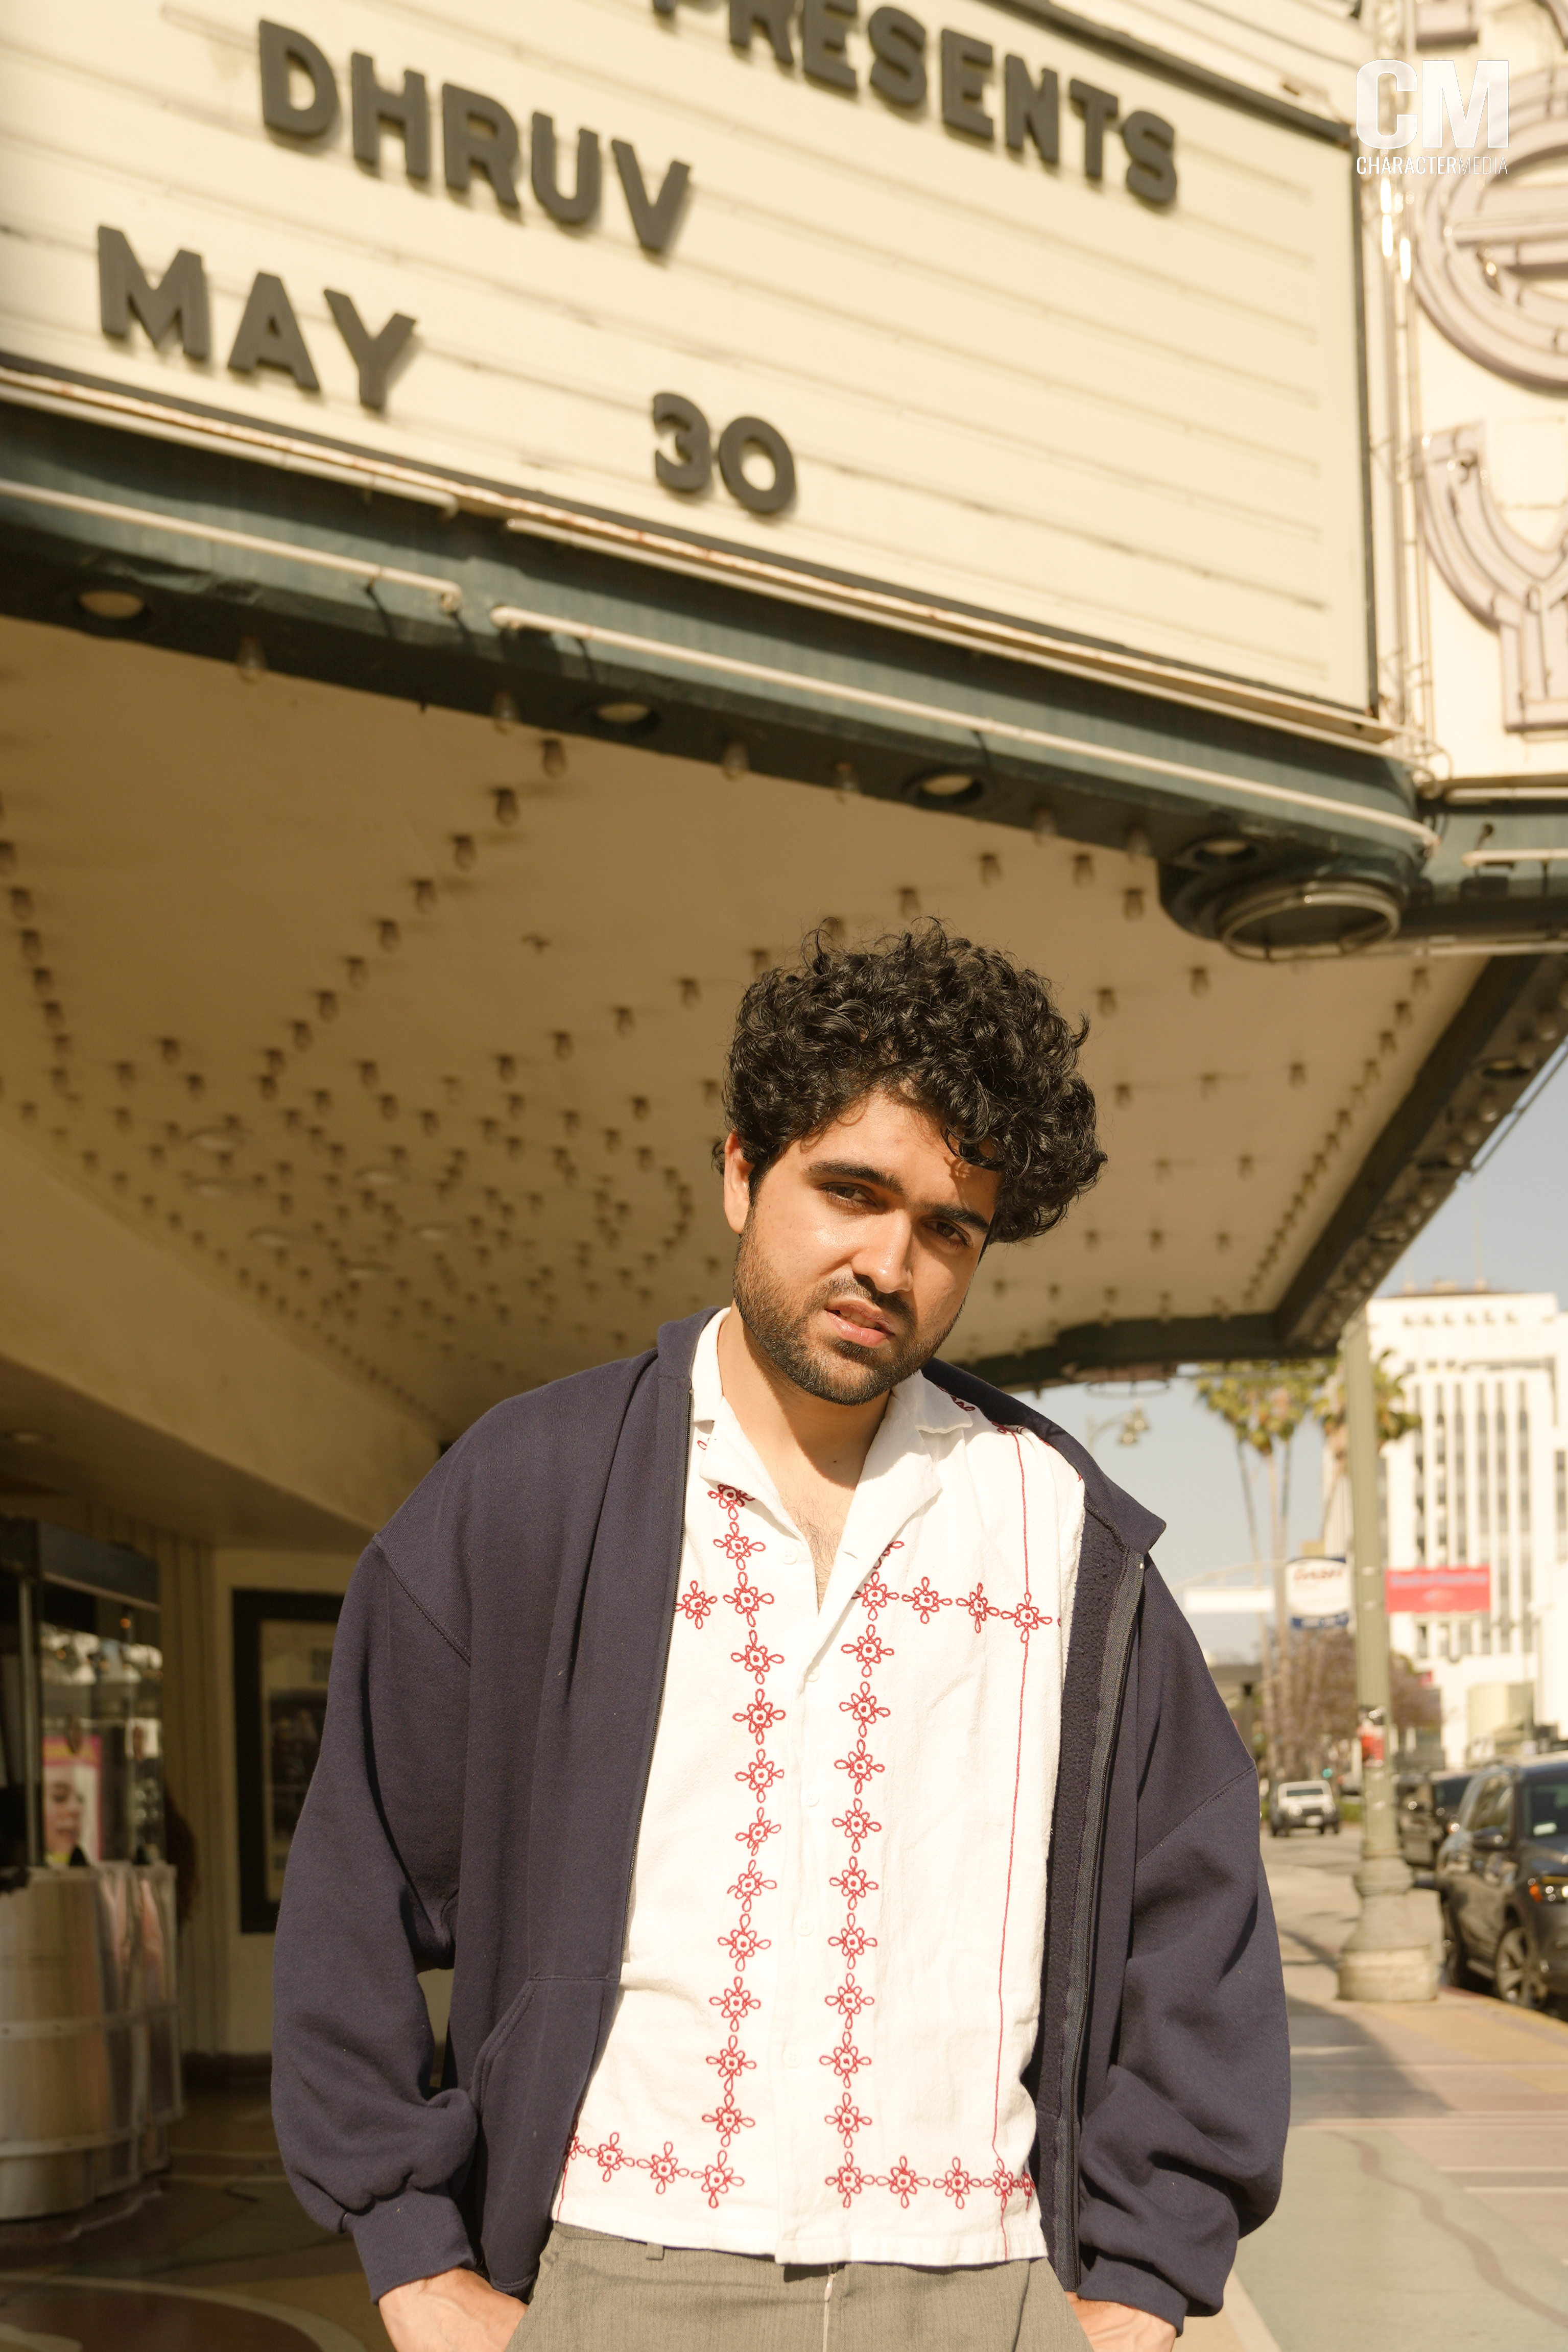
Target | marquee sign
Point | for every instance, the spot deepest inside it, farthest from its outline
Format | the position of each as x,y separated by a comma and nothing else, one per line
967,307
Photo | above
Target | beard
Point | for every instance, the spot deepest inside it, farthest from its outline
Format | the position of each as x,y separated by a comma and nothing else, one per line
836,1370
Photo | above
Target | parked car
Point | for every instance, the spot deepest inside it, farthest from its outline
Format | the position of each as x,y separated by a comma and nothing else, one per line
1428,1808
1502,1882
1303,1805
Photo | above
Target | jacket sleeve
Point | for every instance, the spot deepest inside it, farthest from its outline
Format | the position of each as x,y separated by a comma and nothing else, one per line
1182,2144
367,1902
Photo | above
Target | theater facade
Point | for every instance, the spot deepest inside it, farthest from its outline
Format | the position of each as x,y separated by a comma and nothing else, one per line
509,516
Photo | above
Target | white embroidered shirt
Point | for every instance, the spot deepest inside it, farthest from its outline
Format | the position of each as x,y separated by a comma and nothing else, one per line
832,1973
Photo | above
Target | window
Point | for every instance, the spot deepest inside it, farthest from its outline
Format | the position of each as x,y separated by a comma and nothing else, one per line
1523,1521
1486,1636
1491,1805
1483,1489
1441,1476
1420,1457
1461,1523
1423,1639
1466,1636
1563,1506
1546,1809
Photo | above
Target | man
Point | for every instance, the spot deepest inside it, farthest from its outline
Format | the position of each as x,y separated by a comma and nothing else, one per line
850,1874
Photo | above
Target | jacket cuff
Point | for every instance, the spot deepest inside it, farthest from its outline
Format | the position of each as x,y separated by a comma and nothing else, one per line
1105,2280
415,2236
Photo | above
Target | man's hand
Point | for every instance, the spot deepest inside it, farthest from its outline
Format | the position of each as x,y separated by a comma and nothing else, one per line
455,2311
1119,2327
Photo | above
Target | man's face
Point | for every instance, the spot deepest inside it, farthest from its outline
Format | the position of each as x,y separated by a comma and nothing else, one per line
857,1249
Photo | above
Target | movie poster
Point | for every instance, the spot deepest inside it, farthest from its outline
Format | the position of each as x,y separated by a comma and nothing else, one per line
295,1660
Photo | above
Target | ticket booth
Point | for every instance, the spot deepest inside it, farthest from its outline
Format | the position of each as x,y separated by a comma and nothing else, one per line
89,2062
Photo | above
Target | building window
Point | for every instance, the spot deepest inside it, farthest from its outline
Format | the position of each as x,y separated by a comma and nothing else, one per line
1440,1478
1486,1632
1466,1636
1483,1490
1461,1522
1420,1456
1423,1639
1563,1506
1526,1632
1524,1520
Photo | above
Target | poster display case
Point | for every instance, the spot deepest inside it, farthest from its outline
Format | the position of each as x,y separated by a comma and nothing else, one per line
89,2057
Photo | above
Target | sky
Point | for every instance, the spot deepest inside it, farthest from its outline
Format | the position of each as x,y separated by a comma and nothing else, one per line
1506,1224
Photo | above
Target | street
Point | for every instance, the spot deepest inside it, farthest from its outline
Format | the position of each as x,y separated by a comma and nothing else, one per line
1424,2191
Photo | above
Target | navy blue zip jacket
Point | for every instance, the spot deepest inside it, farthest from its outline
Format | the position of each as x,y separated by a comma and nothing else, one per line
495,1687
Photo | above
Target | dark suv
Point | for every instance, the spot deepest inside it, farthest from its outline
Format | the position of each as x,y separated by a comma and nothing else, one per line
1428,1808
1502,1882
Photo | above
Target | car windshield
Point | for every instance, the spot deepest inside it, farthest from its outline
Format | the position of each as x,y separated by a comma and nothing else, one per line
1303,1788
1546,1814
1447,1791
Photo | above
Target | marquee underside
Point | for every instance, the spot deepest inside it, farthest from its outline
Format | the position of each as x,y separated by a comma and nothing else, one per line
416,1041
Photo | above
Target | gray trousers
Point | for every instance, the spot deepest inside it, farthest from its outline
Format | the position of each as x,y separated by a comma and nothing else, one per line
597,2294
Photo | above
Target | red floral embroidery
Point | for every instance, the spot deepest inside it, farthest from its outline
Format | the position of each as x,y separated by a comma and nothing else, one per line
849,1999
735,2001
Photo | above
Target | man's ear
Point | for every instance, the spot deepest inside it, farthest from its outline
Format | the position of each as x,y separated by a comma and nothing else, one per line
737,1183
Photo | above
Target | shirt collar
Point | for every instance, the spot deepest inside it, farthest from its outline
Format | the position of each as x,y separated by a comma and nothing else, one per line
902,1473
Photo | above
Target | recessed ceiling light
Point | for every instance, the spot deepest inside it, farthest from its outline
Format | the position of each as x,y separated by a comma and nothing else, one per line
25,1437
227,1138
218,1188
111,604
946,788
624,714
273,1237
364,1269
433,1232
381,1177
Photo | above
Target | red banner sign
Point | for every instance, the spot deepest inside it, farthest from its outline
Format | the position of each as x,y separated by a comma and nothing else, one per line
1439,1592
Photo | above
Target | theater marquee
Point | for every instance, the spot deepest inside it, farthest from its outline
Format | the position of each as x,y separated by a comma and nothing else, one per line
946,300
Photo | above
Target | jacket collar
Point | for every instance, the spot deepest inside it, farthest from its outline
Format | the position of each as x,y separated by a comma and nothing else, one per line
1136,1528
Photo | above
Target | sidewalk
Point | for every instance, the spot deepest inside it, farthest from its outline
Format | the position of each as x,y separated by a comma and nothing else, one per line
1426,2197
1425,2205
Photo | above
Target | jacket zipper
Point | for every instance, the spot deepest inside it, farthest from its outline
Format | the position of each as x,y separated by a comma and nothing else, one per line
1085,1911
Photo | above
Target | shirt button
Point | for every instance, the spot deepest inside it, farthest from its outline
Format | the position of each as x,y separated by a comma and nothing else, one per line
791,2059
813,1795
806,1926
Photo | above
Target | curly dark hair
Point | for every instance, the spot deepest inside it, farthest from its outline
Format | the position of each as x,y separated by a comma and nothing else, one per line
967,1032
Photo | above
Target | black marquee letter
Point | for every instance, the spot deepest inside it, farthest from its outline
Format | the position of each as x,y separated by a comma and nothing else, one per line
1036,111
408,108
371,354
654,219
181,293
772,16
1150,143
823,25
899,42
583,204
270,335
1098,107
965,66
281,51
478,134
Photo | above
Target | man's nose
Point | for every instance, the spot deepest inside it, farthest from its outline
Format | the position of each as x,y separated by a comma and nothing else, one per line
884,1255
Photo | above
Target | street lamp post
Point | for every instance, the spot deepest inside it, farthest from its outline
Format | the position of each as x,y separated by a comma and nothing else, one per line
1386,1957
